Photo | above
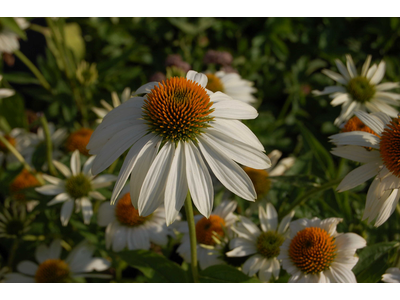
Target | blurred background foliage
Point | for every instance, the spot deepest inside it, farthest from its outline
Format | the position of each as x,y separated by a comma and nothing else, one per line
282,56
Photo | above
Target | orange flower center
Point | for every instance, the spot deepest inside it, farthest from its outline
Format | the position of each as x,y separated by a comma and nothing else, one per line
214,84
312,250
78,140
126,214
390,146
260,180
52,271
10,139
206,229
23,181
177,109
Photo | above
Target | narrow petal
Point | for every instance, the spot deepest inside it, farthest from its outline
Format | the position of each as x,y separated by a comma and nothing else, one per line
340,99
252,265
62,168
66,212
153,188
87,166
75,163
388,207
351,67
335,76
380,72
329,90
177,186
234,109
356,138
103,181
387,86
50,189
365,66
59,198
52,179
228,172
96,195
42,253
266,271
358,176
27,267
87,210
342,69
284,225
357,153
55,249
198,180
268,218
371,71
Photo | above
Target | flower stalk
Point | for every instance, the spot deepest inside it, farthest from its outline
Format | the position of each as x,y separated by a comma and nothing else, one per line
193,239
49,145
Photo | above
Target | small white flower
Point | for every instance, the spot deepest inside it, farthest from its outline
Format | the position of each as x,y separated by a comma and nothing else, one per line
77,189
9,39
191,124
392,275
52,269
232,85
360,92
101,112
125,228
211,234
263,245
381,160
315,252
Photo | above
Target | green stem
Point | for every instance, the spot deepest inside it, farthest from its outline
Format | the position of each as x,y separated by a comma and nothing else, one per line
49,145
192,234
34,70
14,151
112,167
12,254
300,200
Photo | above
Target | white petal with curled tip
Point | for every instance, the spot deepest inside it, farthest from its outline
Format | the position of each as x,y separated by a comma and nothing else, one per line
199,180
50,189
153,188
233,109
349,241
335,76
129,163
117,145
356,138
141,167
62,168
96,264
27,267
237,130
177,186
87,210
200,78
268,218
228,172
66,212
380,72
340,99
237,151
52,179
387,208
284,225
75,163
359,176
59,198
146,88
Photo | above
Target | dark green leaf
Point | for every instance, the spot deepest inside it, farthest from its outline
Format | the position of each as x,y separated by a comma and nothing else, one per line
225,273
21,78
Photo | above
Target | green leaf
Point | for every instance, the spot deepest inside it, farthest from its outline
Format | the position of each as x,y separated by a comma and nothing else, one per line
21,78
154,266
74,40
13,110
225,273
13,25
374,261
39,156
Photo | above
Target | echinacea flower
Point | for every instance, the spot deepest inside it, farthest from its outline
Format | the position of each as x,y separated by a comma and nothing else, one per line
379,154
14,222
50,268
263,245
102,112
78,140
315,253
211,234
125,228
232,85
9,39
392,275
171,130
360,92
77,189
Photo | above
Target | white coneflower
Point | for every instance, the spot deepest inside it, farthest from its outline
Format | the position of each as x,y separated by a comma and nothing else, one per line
392,275
102,112
125,228
14,222
77,189
232,85
379,154
315,252
171,130
50,268
360,92
21,140
9,39
263,245
211,233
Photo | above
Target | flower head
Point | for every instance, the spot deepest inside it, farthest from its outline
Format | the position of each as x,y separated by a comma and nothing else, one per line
263,245
170,130
50,268
315,252
14,222
380,155
77,189
125,228
360,92
211,234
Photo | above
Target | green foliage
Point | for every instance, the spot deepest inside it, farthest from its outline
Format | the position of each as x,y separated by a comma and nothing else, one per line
225,274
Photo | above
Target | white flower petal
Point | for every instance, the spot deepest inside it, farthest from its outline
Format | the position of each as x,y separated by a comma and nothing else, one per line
329,90
55,249
378,75
138,238
96,264
358,176
105,214
27,267
252,265
268,218
59,198
200,78
120,237
351,67
62,168
18,278
284,225
103,181
341,274
50,189
357,153
349,241
87,210
372,122
357,138
42,253
96,195
66,212
335,76
388,207
234,109
266,271
342,69
87,166
52,179
387,86
365,66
